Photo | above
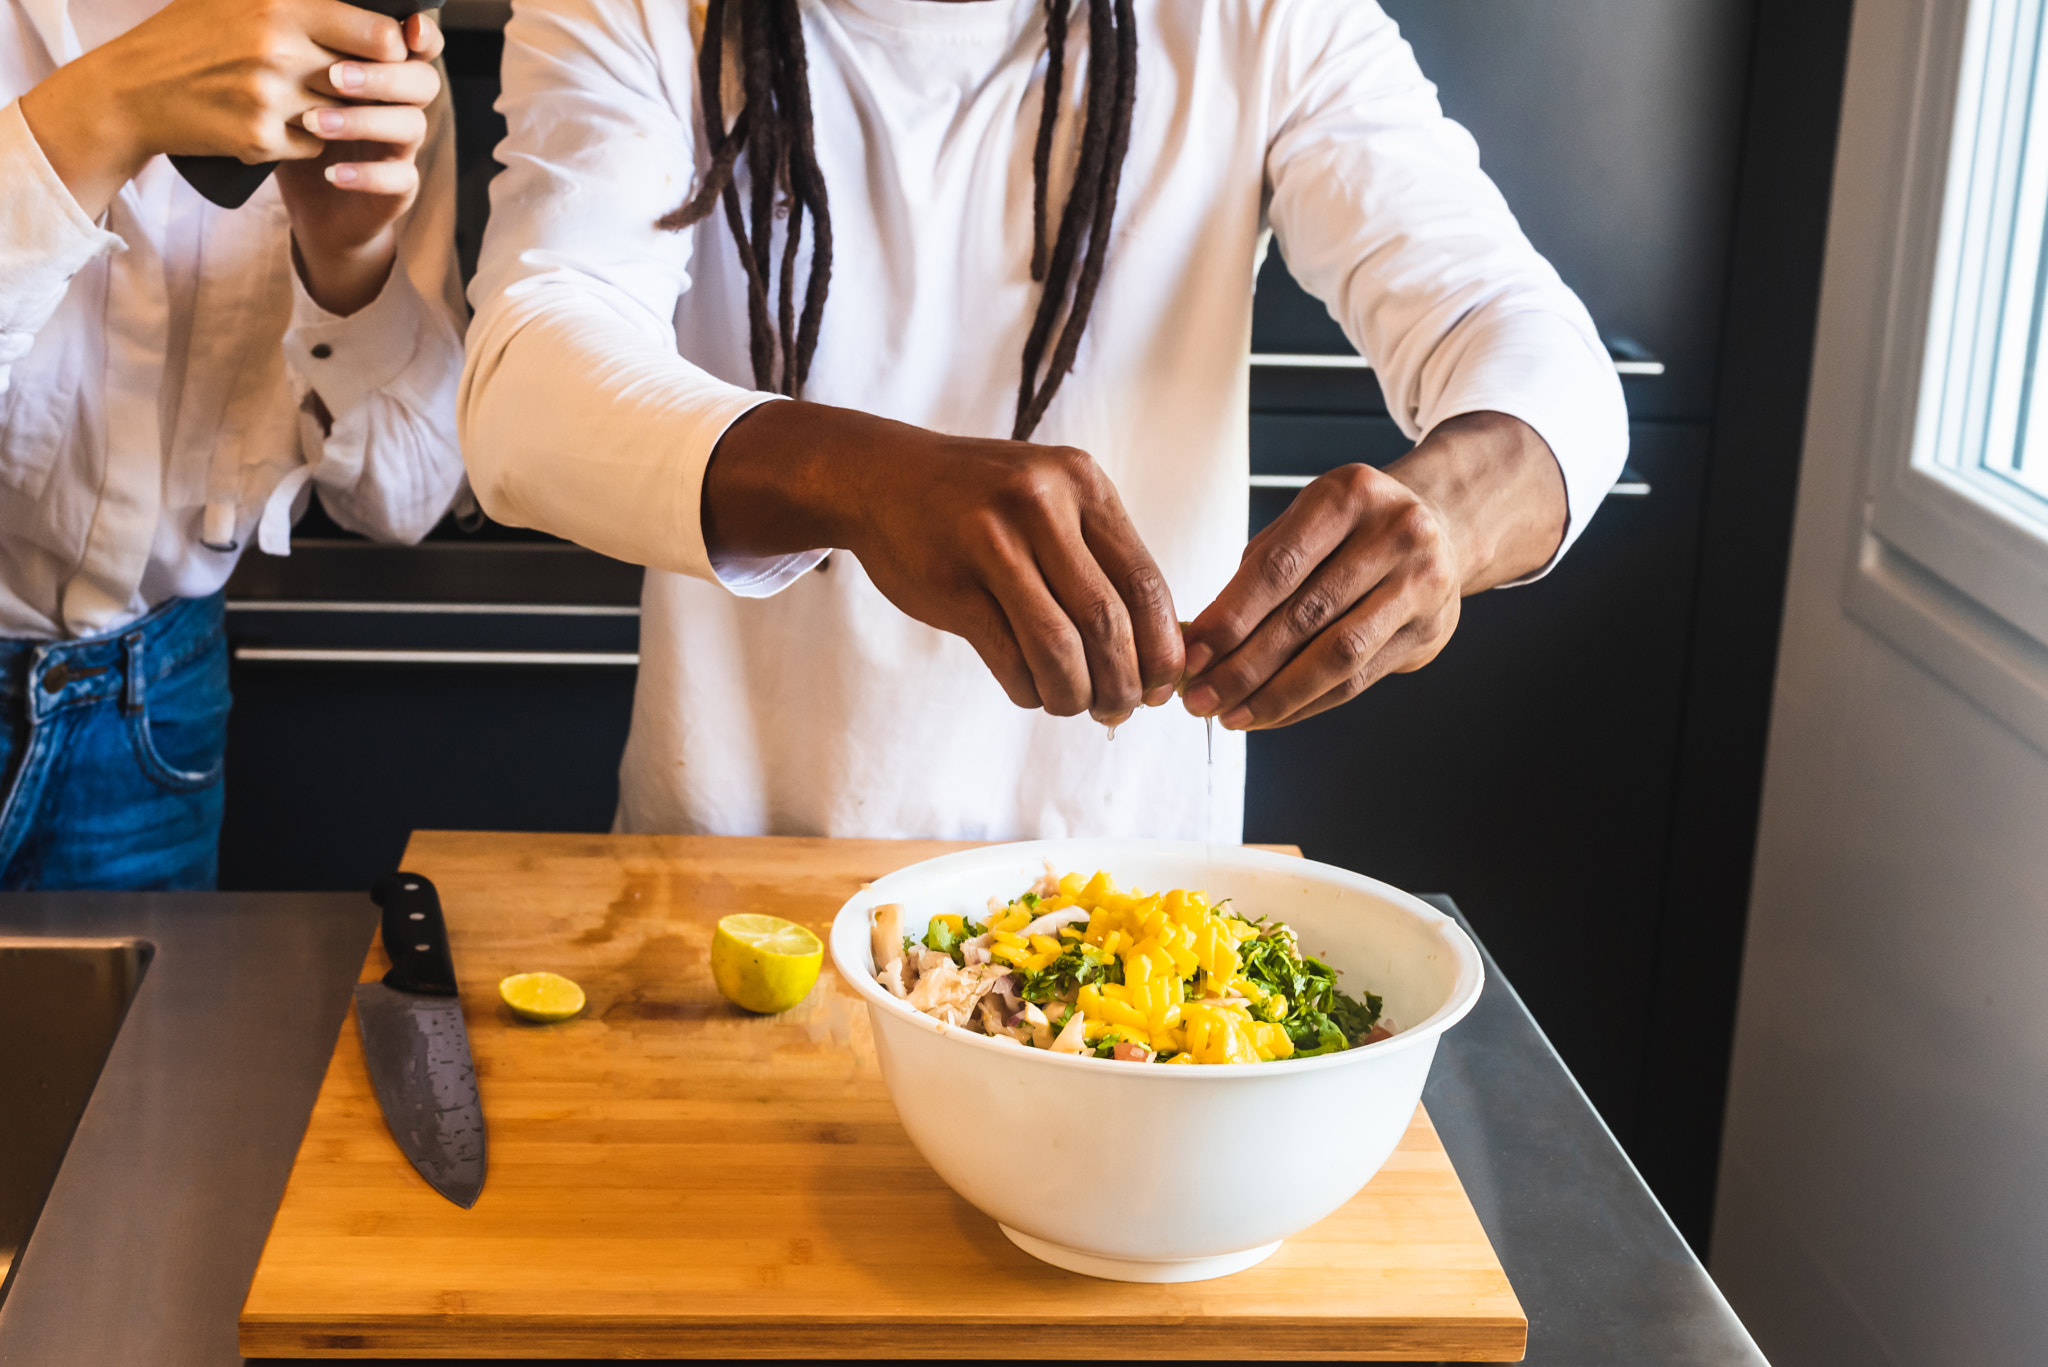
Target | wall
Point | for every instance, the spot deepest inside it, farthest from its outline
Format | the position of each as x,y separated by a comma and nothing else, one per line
1882,1195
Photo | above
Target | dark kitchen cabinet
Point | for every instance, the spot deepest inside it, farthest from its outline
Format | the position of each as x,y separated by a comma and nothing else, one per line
1614,128
1579,767
334,762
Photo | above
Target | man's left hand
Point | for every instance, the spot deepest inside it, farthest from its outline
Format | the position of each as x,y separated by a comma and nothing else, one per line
1361,577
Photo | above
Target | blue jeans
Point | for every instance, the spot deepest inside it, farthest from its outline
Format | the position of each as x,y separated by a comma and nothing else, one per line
112,751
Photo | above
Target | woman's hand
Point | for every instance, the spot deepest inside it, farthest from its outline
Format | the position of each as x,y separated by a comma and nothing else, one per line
345,203
1023,550
237,78
1361,576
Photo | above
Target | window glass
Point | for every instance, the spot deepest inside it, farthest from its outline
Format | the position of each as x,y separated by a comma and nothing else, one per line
1992,373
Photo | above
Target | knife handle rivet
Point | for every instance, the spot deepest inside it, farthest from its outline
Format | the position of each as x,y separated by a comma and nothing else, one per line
412,887
416,916
421,948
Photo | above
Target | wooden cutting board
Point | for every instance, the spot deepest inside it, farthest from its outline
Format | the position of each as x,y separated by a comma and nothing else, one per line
671,1177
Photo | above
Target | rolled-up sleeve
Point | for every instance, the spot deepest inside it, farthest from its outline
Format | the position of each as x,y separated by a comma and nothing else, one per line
1381,208
578,415
383,453
45,239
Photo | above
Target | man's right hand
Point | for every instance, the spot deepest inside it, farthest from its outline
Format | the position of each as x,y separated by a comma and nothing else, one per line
1024,550
231,78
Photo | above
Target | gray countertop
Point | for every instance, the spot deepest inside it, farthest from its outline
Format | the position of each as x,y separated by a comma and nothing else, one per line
152,1231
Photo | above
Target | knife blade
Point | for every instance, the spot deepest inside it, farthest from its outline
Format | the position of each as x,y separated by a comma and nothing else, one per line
417,1046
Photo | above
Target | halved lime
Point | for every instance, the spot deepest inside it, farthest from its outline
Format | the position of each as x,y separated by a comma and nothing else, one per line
546,997
764,963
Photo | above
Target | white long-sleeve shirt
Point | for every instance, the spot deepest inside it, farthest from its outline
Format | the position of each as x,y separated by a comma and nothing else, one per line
607,358
156,370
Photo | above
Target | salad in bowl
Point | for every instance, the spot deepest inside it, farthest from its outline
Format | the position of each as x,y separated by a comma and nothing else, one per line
1076,965
1195,1073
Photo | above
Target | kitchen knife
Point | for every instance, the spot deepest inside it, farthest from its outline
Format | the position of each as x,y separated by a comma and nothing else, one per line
416,1045
228,182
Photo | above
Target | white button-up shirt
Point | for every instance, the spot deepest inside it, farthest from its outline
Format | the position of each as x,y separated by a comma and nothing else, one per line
608,357
157,370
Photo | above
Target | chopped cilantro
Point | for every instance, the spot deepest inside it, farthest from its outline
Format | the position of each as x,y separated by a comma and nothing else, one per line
1078,964
1320,1019
943,936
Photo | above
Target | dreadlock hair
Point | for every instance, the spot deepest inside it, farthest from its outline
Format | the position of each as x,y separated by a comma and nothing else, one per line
773,129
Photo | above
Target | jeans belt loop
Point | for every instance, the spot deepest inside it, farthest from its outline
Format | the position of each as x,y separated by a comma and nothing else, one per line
41,697
131,686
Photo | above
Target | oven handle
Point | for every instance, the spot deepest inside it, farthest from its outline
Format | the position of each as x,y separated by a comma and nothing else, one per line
1332,360
343,656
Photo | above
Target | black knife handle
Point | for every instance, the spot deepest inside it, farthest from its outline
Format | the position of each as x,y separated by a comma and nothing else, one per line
228,182
415,936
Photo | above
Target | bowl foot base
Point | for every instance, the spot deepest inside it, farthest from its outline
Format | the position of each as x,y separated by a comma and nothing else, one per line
1135,1270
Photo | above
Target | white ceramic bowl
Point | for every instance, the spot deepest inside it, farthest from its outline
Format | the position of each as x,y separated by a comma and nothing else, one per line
1140,1172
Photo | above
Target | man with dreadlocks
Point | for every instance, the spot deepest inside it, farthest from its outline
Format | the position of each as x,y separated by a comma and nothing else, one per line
996,258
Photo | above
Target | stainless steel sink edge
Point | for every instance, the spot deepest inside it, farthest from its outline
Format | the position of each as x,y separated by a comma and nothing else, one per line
63,1000
153,1227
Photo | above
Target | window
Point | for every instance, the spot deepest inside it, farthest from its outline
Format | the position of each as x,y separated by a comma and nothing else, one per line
1993,424
1954,564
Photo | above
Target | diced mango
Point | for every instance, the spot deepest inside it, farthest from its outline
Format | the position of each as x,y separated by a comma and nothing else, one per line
1178,954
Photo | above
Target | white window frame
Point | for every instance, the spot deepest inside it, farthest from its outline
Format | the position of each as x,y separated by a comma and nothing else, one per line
1948,569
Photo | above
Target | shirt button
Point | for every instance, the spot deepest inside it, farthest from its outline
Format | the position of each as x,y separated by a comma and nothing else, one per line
321,351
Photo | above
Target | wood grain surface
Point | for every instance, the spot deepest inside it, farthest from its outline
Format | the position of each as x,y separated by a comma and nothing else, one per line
672,1177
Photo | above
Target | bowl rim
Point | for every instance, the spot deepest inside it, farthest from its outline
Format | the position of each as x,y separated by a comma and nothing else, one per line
849,936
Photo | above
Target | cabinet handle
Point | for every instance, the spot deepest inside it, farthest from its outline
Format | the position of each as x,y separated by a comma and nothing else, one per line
1303,360
1306,360
301,655
1630,485
345,605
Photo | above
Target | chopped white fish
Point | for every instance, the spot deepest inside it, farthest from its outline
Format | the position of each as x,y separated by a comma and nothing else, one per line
1041,1028
885,933
892,976
1071,1040
950,993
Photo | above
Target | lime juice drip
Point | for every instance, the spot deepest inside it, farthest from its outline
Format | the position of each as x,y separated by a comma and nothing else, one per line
1209,805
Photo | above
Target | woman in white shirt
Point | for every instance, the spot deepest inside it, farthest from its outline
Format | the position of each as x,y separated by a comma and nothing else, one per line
1002,255
174,377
